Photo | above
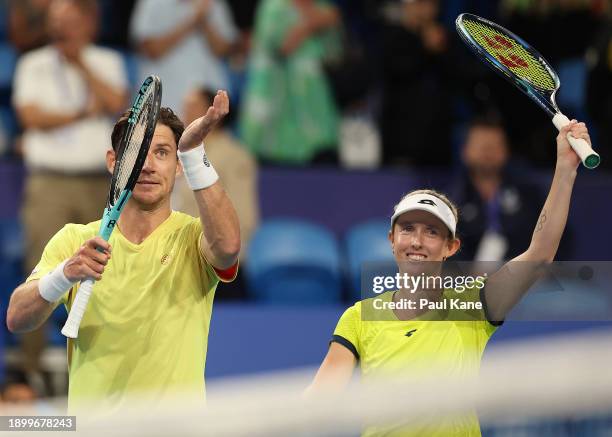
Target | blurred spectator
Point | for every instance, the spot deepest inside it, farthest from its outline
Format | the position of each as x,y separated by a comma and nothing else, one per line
544,24
417,77
359,142
352,72
183,42
289,115
65,94
497,209
243,12
235,165
599,91
115,18
16,390
28,23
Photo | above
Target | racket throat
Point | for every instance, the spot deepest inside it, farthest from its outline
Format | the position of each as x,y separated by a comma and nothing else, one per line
111,215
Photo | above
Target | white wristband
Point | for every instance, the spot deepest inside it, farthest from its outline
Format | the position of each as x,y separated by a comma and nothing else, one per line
198,170
55,284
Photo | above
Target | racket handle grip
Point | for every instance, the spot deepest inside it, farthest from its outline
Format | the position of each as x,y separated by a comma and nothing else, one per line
590,159
71,328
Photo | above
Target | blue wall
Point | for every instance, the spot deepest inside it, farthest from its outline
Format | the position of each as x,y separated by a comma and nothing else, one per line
252,338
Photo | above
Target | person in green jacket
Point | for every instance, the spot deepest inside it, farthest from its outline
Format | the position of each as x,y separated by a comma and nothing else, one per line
288,113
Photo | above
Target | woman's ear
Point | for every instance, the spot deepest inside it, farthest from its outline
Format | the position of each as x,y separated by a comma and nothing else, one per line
452,247
110,160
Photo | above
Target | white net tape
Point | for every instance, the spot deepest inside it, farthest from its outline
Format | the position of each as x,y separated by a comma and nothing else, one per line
553,377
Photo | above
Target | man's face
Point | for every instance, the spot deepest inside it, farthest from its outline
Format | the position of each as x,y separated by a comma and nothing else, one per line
485,149
70,28
159,171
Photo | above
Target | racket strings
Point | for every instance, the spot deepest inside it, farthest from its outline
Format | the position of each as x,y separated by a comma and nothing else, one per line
136,134
511,54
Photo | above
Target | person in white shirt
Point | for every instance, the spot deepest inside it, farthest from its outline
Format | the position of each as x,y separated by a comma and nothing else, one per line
65,95
183,42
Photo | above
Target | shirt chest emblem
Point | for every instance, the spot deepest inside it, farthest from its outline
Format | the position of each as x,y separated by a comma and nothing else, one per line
166,259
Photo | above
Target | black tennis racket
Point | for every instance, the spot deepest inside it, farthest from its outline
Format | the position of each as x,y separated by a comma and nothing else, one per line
510,56
131,155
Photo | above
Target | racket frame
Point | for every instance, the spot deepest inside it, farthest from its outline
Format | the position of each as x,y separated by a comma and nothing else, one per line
545,99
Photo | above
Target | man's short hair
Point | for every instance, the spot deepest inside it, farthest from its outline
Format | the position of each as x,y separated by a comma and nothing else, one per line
167,117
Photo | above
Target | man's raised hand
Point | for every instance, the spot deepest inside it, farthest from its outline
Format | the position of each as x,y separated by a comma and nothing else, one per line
198,129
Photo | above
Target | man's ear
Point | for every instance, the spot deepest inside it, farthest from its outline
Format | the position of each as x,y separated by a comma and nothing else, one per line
110,160
179,168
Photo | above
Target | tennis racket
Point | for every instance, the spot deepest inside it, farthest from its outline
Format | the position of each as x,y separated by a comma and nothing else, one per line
131,155
523,66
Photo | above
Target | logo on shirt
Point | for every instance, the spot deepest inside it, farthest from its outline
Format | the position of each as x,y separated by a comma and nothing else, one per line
165,259
409,333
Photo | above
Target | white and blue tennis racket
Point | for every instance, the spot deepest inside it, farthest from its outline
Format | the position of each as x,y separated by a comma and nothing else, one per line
523,66
131,155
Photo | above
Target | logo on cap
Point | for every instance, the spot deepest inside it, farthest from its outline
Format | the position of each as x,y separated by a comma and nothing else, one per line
427,202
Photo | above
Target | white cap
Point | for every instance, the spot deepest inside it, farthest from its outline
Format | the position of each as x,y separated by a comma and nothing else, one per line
429,203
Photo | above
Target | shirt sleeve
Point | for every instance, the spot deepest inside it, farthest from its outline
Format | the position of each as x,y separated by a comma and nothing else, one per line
25,85
474,294
110,68
348,329
492,325
213,274
59,248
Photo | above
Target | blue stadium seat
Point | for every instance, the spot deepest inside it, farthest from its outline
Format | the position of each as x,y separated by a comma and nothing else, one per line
293,261
564,299
366,243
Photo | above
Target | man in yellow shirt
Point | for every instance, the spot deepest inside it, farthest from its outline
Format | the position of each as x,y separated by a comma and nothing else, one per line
146,328
386,339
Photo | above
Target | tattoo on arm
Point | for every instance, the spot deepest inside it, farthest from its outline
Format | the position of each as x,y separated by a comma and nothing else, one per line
541,221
